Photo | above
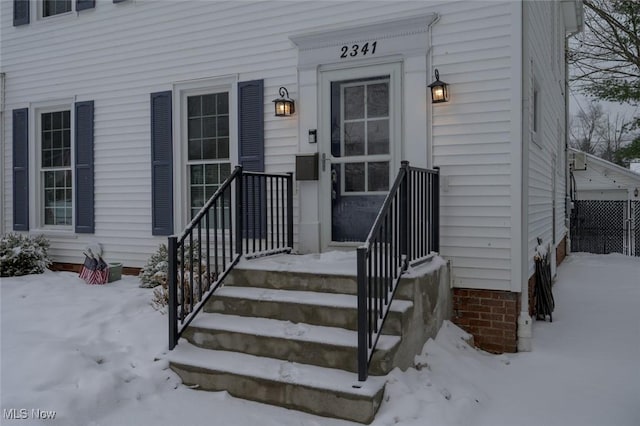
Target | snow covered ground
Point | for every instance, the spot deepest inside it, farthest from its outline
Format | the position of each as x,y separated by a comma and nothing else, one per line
95,356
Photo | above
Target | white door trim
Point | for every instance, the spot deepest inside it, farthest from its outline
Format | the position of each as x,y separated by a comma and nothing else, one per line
394,71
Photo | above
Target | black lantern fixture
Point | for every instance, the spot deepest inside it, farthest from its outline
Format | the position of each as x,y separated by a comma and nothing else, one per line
439,90
284,104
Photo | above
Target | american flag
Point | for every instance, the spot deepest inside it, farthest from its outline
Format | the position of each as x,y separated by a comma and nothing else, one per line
94,271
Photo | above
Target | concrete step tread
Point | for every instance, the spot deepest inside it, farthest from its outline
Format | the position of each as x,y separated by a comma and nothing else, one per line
341,263
302,297
337,381
267,327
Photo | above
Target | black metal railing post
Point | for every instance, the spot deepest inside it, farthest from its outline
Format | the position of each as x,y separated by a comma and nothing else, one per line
239,208
363,326
252,215
172,283
404,233
405,242
436,210
290,209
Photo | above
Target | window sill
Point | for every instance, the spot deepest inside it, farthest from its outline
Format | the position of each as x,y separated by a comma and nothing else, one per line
60,17
67,234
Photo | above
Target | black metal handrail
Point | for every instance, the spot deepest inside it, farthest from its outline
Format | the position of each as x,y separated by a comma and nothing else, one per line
250,214
406,232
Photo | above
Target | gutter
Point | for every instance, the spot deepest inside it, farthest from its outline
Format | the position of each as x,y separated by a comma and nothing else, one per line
567,185
2,149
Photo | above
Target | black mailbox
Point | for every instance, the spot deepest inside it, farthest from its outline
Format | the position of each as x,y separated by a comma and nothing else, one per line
307,166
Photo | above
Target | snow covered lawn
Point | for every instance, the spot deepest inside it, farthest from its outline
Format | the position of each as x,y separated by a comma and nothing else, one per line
94,355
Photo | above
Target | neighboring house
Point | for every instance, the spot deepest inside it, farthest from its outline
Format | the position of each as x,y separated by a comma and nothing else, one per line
605,215
88,83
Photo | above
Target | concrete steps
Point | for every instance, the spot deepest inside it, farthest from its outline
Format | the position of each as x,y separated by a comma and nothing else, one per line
303,343
327,309
299,280
289,339
317,390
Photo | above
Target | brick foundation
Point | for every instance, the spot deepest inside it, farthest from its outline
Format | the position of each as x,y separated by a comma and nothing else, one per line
75,267
490,315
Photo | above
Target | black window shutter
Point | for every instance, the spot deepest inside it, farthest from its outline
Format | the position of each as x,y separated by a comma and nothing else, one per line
85,4
85,216
251,155
251,125
21,169
161,164
20,12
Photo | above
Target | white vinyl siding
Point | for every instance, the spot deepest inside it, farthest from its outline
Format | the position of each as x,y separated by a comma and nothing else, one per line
472,142
548,141
605,181
135,50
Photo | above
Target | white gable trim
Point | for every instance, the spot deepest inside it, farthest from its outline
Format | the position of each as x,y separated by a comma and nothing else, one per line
408,37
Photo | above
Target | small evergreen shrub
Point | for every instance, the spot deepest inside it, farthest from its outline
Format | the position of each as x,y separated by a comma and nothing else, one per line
23,255
155,271
154,275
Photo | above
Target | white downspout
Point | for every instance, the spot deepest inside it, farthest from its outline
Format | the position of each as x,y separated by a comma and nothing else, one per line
525,328
568,205
2,148
429,104
568,202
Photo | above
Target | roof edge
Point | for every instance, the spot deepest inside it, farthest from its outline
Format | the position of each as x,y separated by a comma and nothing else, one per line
619,169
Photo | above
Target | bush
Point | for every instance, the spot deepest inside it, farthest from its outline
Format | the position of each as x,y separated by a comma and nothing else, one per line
155,271
23,255
154,275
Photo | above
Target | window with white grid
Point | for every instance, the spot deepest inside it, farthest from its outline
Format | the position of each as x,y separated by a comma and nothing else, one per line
56,168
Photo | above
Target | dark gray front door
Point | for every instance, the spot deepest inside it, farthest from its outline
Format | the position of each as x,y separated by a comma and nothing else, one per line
361,148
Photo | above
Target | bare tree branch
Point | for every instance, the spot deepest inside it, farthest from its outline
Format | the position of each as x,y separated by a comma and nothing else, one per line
605,58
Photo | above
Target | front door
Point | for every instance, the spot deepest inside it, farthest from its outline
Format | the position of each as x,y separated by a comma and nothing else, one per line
360,149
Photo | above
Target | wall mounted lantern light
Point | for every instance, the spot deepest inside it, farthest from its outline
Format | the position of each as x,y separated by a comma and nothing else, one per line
439,90
285,106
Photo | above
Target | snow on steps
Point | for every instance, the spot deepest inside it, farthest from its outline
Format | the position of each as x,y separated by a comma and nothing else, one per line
318,390
331,310
296,349
311,344
287,336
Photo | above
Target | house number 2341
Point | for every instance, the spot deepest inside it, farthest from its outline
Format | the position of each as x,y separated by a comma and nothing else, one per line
358,50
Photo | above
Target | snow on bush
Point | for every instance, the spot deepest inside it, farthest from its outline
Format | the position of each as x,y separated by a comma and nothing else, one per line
154,272
23,255
154,275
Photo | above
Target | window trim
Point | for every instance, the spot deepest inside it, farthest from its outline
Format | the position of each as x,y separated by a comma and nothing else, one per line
40,11
36,193
535,110
188,163
181,91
